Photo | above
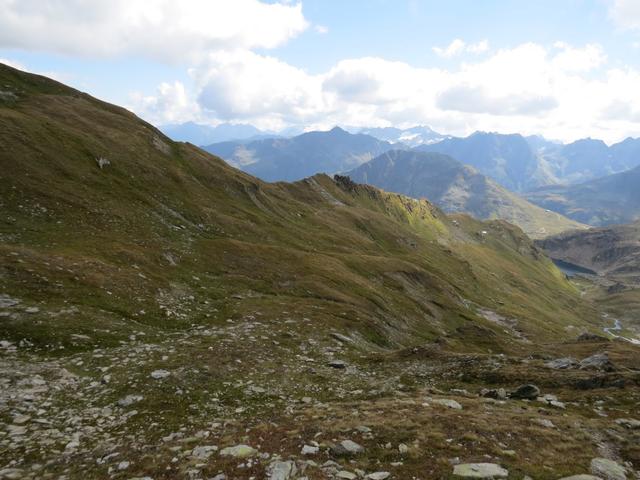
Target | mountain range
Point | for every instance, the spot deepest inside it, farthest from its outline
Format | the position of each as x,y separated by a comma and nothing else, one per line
589,159
521,164
532,167
526,163
199,134
455,187
603,201
289,159
508,159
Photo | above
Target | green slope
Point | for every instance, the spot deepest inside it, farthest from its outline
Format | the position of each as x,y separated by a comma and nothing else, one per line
115,241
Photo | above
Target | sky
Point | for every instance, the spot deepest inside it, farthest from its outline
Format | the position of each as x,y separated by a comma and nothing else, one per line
564,69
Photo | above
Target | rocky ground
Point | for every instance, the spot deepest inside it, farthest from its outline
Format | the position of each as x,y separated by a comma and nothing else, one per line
269,398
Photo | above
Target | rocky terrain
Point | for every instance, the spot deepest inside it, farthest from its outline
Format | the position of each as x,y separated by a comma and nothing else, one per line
164,315
266,399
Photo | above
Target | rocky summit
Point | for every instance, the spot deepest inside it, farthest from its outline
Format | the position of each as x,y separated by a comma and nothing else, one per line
164,315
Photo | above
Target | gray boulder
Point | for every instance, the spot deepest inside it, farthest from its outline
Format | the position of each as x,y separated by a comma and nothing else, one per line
629,423
599,361
561,363
608,469
495,393
338,364
282,470
347,447
526,392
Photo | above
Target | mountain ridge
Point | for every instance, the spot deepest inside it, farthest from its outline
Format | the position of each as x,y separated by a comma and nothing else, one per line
613,199
290,159
457,188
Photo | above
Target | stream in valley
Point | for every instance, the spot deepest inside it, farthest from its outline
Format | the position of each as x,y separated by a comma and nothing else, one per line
617,327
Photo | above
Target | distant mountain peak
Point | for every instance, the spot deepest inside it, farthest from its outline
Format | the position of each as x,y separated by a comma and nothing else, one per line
412,137
301,156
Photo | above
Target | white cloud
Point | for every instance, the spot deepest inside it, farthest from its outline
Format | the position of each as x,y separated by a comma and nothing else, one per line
480,47
562,91
579,59
170,30
244,85
479,99
626,13
170,104
454,48
321,29
458,47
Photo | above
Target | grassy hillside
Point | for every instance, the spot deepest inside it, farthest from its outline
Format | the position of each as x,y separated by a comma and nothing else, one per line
116,240
159,306
455,187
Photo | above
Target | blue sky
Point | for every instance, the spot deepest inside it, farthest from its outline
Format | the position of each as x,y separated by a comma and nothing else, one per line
458,66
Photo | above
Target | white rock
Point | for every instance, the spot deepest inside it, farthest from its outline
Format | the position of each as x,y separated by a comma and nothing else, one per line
629,423
309,450
21,419
608,469
11,473
129,400
351,446
282,470
480,470
544,422
445,402
346,475
160,374
203,452
378,476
